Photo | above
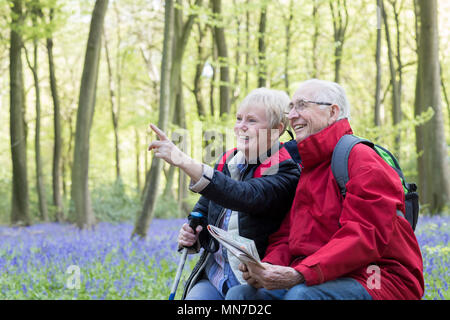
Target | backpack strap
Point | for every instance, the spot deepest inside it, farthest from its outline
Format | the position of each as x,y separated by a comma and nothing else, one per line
224,159
391,160
339,163
339,160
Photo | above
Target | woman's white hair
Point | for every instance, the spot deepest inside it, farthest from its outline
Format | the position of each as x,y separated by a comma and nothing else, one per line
276,103
327,91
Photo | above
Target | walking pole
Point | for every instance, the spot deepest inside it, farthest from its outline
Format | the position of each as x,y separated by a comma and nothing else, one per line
195,221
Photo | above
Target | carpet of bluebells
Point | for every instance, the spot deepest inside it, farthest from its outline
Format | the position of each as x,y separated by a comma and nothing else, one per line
58,261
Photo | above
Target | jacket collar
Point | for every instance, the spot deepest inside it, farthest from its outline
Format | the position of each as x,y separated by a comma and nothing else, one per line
319,147
233,165
261,158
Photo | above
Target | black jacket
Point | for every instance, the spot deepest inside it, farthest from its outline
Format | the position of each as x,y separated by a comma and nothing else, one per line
261,203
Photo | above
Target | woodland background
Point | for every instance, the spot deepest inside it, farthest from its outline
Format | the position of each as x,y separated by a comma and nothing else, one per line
80,80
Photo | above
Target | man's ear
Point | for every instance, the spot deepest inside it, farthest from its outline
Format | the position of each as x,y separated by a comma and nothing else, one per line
334,114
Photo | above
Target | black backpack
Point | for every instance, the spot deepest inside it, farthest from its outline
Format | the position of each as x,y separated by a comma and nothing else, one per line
339,167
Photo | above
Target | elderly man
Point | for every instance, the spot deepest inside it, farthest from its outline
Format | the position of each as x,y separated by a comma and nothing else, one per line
329,247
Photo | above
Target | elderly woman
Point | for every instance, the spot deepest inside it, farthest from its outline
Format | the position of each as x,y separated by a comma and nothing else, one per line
330,247
248,192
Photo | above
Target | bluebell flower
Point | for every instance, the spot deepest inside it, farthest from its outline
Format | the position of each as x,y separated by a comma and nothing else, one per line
38,257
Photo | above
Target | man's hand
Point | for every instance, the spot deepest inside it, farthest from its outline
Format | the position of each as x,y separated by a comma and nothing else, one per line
272,277
247,277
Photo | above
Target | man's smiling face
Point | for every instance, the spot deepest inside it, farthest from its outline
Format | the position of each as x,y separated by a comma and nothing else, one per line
306,117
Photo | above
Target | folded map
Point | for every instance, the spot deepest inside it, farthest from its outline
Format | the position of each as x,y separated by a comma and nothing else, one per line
243,248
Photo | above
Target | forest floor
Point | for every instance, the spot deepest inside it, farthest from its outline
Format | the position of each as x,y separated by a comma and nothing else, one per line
58,261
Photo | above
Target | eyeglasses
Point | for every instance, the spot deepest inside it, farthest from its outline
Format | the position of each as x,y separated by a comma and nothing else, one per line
301,104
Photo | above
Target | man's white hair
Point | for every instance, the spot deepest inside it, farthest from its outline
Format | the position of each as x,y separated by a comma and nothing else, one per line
327,91
276,103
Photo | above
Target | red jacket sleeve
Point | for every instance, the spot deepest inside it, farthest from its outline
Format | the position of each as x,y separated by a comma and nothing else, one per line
374,193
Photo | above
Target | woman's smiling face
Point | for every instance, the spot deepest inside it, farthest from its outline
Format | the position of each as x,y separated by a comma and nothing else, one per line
252,130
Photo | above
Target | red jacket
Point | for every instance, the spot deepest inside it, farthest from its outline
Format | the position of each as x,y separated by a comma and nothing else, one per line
325,237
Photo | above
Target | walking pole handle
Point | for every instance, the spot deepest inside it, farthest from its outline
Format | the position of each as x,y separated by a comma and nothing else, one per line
196,219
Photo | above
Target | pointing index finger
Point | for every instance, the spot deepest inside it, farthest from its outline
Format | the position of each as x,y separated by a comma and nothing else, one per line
161,135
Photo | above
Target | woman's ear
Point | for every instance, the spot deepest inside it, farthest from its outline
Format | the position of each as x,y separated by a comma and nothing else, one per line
280,128
334,114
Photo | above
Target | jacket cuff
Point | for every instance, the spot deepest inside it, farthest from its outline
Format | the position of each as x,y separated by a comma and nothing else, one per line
313,274
201,184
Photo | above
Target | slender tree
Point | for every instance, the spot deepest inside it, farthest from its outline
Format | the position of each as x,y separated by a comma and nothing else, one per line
36,12
213,81
114,100
145,217
262,64
237,56
247,45
201,60
444,92
181,34
19,204
138,148
377,108
57,146
315,38
219,36
86,106
339,15
396,107
288,36
434,180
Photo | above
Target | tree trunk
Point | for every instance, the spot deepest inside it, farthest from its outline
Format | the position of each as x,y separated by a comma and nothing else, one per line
247,44
219,36
287,51
377,108
181,34
262,66
315,38
396,108
212,86
340,23
399,61
86,106
419,130
433,164
19,204
201,59
113,98
168,192
180,120
144,219
138,160
40,187
444,92
57,147
237,58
